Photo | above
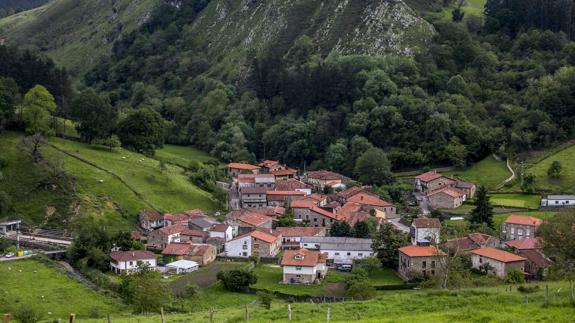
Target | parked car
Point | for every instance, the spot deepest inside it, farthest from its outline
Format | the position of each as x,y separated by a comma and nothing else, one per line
9,255
346,268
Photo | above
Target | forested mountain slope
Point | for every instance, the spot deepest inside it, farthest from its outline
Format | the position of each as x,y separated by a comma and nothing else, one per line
75,33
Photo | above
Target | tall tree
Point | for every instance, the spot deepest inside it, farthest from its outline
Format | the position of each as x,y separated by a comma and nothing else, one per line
142,131
558,238
373,168
341,229
8,98
555,169
95,116
361,230
39,105
387,244
483,211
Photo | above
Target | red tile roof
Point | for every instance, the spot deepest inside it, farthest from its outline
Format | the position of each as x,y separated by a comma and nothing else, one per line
300,231
523,220
177,249
255,219
221,227
450,191
317,197
536,257
421,251
325,213
426,223
496,254
286,193
173,229
150,215
324,175
481,238
369,199
193,233
429,176
305,203
348,209
303,258
199,250
351,192
183,216
284,172
133,255
264,236
242,166
290,184
524,244
357,217
269,163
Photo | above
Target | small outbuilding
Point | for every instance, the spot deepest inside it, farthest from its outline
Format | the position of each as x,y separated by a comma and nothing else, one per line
183,266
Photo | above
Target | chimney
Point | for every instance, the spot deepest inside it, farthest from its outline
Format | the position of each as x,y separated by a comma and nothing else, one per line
133,254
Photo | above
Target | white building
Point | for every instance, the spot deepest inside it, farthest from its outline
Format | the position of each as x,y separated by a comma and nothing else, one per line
129,261
339,250
558,201
256,243
499,262
183,266
224,231
303,266
425,229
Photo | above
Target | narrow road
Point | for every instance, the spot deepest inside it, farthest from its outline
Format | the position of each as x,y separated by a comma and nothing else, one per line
398,225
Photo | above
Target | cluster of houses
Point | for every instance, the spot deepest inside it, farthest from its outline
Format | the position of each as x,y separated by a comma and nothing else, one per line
443,192
516,248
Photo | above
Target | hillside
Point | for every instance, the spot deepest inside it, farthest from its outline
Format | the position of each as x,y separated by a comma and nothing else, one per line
75,33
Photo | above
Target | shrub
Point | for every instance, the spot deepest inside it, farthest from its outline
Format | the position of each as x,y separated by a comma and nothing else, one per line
266,299
237,280
515,276
27,314
527,289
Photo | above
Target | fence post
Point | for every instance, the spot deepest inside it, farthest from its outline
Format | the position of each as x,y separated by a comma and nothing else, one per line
571,292
526,299
246,314
109,319
211,315
72,317
289,312
328,313
546,295
6,318
162,315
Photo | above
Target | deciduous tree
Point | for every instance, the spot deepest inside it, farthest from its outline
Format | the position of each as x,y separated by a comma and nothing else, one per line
39,105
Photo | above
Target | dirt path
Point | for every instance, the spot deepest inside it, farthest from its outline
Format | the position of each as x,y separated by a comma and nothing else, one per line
510,178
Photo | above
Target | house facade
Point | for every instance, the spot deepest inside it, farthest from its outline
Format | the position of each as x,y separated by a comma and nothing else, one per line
303,266
255,243
291,236
203,254
499,261
235,169
420,261
160,238
130,261
323,178
151,220
446,198
427,229
339,250
251,221
253,197
471,242
429,182
558,201
518,227
283,198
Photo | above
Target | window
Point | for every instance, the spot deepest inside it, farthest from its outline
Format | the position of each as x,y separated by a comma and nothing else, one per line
337,253
256,245
527,232
480,260
424,273
433,272
131,263
349,253
512,230
298,268
314,219
297,276
245,247
245,254
360,254
433,264
424,264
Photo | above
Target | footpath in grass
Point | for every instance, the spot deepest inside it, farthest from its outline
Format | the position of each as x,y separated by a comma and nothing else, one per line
169,190
34,284
488,172
493,304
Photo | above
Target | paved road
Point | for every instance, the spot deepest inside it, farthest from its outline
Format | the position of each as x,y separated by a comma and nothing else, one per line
423,203
24,237
399,226
16,258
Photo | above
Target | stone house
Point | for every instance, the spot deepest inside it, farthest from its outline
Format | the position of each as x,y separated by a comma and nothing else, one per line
471,242
160,238
253,197
323,178
446,198
257,243
203,254
283,198
150,220
420,261
372,201
501,262
518,227
303,266
432,181
235,169
251,221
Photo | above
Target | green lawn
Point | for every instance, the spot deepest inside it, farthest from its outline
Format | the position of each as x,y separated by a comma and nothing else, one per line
492,304
488,172
33,284
564,184
470,8
169,191
516,200
182,155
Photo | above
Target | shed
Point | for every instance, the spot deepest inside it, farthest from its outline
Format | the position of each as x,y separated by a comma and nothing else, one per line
183,266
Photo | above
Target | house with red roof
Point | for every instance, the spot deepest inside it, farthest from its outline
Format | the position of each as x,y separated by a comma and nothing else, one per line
498,261
372,201
432,181
160,238
151,220
292,184
130,261
183,217
323,178
519,227
420,261
303,266
283,198
235,169
536,263
425,229
257,243
269,166
446,198
471,242
283,174
251,221
291,236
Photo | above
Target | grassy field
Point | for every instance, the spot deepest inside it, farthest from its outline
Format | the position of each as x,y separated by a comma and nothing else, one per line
169,191
516,200
564,184
470,8
182,156
488,172
492,304
33,284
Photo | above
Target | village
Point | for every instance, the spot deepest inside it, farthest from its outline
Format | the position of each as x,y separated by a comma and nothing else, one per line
263,196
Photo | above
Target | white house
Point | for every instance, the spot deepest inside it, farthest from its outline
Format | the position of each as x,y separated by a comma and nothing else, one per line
499,262
339,250
291,236
255,243
303,266
558,201
425,229
224,231
129,261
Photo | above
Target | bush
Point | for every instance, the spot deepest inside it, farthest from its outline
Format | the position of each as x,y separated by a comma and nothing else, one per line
361,290
515,276
237,280
370,265
27,314
266,299
527,289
